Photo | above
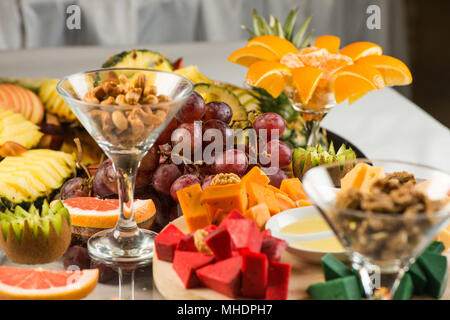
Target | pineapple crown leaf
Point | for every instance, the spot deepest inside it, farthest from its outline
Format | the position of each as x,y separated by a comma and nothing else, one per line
286,30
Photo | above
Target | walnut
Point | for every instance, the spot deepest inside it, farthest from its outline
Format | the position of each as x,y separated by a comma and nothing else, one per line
225,178
199,241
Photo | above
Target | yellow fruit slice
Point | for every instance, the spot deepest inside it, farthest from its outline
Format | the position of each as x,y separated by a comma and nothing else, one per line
394,71
305,81
39,284
331,43
312,56
354,81
249,55
361,49
268,75
277,45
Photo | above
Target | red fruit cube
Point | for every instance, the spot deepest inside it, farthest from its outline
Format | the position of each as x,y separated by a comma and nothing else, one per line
223,276
254,274
273,248
210,228
245,234
186,262
219,242
187,243
166,242
278,281
234,214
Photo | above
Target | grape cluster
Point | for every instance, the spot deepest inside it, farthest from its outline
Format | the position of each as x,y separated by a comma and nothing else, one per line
160,177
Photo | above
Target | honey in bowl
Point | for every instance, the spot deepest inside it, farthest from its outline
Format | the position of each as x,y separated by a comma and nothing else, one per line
311,224
330,244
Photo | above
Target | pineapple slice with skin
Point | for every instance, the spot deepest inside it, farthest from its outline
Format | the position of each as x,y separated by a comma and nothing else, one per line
44,173
60,164
15,128
54,103
21,184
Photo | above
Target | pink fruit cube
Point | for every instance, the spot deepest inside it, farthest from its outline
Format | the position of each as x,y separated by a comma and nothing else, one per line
219,242
185,263
166,242
254,274
278,281
245,234
187,243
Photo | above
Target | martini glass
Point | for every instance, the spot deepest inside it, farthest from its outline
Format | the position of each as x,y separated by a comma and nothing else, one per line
381,246
125,145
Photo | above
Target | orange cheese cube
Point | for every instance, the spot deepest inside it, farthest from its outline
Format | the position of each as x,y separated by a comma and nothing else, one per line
260,214
444,236
372,174
276,190
294,188
355,177
212,211
226,197
284,202
194,212
259,194
255,175
219,216
302,203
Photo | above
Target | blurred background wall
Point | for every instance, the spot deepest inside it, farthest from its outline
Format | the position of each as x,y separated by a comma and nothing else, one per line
413,30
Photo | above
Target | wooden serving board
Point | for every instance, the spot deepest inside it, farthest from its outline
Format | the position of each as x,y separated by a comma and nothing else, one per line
303,274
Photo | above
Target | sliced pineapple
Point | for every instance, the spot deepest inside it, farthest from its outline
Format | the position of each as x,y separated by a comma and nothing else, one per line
33,175
14,127
139,59
193,74
54,103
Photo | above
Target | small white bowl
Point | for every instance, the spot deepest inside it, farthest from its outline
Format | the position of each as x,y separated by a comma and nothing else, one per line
285,218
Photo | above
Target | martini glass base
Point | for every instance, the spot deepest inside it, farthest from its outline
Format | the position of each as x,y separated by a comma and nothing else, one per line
115,248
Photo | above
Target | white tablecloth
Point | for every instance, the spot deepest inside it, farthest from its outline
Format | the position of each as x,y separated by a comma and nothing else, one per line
383,124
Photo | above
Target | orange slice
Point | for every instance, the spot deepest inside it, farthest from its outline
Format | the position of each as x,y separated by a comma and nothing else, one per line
361,49
305,81
354,81
268,75
249,55
312,56
40,284
277,45
333,63
331,43
91,212
394,71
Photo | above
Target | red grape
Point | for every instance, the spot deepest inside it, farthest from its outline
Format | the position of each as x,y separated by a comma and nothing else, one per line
276,154
143,178
193,109
105,180
164,176
207,181
225,131
218,110
269,121
151,160
276,175
76,187
231,161
189,134
164,137
76,256
181,183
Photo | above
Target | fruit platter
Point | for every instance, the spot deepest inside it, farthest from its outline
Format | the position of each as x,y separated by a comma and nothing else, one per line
148,168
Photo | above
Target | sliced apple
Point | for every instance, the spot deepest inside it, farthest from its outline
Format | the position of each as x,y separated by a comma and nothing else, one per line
21,100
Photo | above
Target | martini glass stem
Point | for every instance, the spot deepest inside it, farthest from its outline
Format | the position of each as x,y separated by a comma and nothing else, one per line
312,132
126,166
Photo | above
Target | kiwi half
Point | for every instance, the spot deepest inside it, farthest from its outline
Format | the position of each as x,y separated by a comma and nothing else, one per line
33,236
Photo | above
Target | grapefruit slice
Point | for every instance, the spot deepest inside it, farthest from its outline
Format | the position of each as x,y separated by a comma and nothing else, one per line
92,212
39,284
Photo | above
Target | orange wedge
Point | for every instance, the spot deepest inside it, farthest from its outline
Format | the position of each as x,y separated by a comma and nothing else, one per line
39,284
268,75
305,81
394,71
277,45
354,81
331,43
361,49
333,63
312,56
249,55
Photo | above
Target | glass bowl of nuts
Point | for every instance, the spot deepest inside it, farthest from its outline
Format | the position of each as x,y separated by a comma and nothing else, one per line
385,213
124,110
